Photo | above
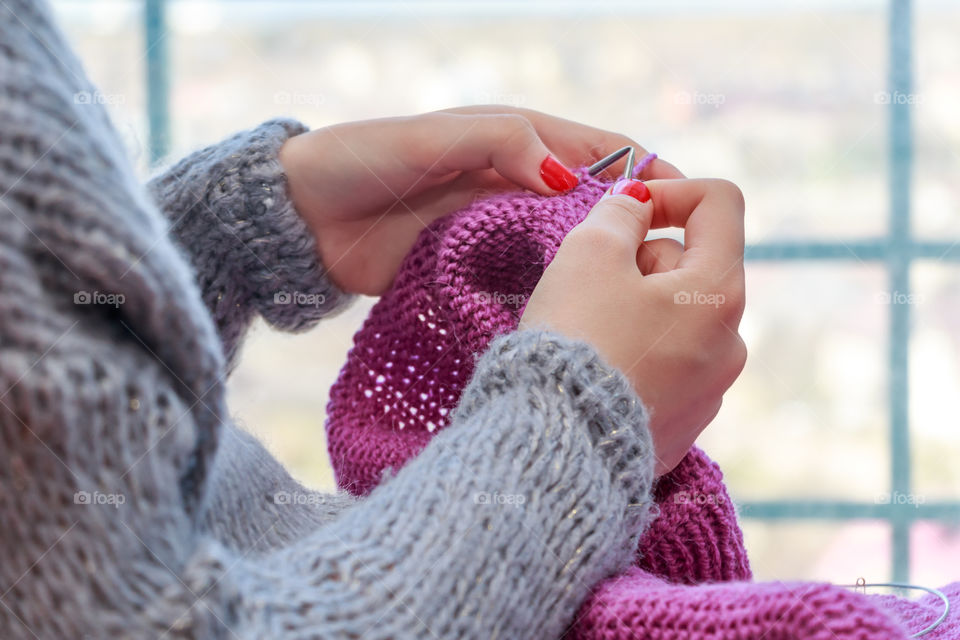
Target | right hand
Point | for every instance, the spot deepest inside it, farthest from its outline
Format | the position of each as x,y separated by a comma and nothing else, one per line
665,314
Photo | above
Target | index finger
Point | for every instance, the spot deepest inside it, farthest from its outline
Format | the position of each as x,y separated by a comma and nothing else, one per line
577,144
711,213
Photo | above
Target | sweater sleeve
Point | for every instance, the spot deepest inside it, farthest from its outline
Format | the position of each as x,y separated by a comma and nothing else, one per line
254,504
538,489
230,214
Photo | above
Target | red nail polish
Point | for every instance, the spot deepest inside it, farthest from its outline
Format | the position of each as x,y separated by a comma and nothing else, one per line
636,189
556,176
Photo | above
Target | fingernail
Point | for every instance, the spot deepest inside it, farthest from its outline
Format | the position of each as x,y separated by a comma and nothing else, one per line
636,189
556,176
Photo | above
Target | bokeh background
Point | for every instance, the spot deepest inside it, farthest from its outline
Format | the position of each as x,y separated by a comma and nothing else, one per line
789,100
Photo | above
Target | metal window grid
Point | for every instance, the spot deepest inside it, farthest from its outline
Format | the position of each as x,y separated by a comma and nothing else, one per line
897,251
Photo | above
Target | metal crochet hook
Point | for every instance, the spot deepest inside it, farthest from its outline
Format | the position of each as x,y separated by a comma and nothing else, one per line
600,165
863,584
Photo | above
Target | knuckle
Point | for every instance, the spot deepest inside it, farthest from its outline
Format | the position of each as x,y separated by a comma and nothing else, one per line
623,206
590,236
730,305
703,356
599,242
734,296
711,331
729,191
721,298
738,356
517,131
737,306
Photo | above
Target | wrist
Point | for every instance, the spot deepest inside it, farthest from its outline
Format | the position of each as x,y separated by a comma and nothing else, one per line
537,361
298,158
270,246
292,159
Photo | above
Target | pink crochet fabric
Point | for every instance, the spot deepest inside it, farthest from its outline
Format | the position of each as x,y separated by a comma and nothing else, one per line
639,605
922,612
467,280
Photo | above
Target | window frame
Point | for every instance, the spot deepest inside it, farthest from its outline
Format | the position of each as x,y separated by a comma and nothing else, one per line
897,251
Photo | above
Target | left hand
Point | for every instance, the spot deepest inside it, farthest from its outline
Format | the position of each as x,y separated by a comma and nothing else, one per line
366,189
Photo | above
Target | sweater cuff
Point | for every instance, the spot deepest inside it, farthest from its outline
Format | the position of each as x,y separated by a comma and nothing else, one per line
279,257
544,364
241,221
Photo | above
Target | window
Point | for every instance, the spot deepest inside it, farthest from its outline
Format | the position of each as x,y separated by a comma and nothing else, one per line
841,441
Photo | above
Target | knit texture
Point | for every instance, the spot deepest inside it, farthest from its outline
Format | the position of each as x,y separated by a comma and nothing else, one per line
466,281
920,613
638,605
240,180
131,506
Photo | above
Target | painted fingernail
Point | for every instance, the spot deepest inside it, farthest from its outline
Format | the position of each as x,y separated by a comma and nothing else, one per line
636,189
556,176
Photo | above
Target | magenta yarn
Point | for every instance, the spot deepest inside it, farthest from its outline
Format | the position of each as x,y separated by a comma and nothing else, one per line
465,281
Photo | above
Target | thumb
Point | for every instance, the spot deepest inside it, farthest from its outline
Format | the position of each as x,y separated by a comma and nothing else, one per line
623,215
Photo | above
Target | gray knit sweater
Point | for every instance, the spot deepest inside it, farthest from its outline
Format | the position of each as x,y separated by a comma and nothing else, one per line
130,506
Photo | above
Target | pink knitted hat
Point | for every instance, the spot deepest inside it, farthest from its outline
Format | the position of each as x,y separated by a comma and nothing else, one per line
467,280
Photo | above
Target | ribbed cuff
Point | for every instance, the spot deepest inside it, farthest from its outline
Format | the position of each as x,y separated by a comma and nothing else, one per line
541,363
279,258
231,211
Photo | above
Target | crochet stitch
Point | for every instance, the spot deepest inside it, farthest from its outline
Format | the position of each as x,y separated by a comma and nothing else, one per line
465,281
638,605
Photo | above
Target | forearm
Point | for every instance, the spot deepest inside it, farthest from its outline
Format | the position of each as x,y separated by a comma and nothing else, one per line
538,490
230,213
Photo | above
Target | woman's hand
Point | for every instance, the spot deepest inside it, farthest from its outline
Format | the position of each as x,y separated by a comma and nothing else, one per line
366,189
665,314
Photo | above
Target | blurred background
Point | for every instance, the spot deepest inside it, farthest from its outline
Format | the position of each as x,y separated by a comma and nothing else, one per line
839,120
